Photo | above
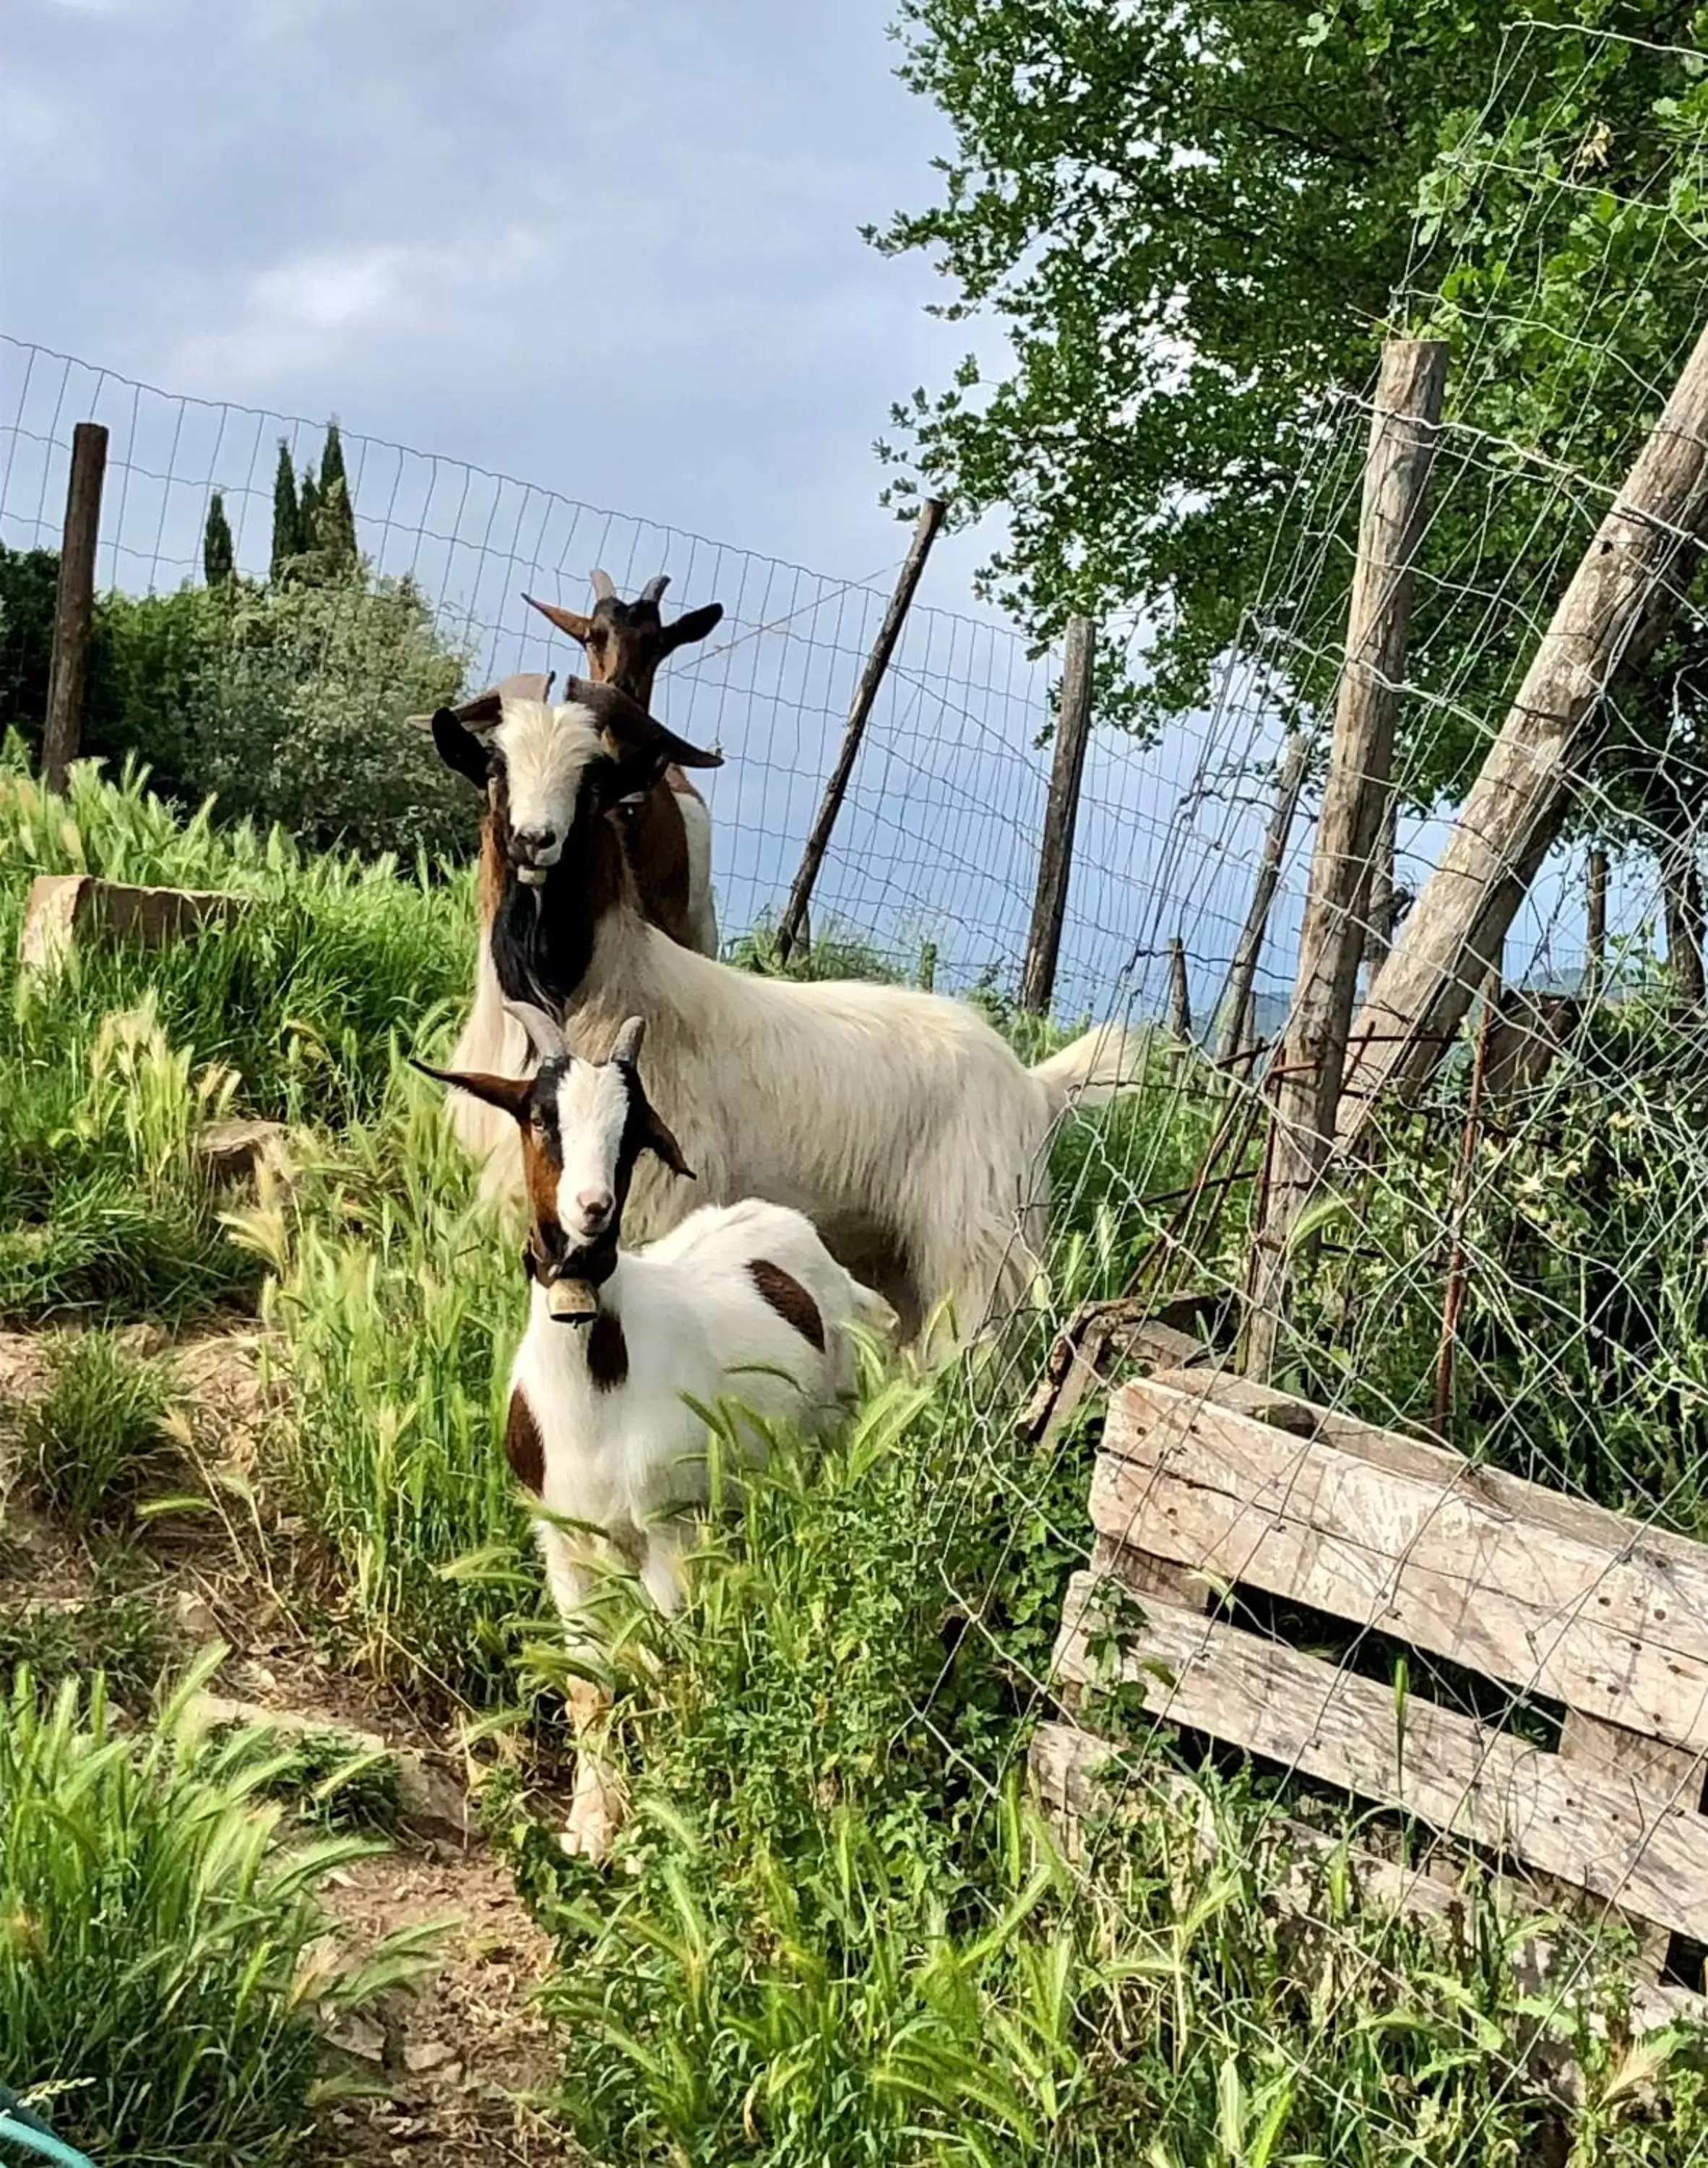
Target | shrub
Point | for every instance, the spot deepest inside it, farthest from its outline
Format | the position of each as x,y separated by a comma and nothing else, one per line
117,1632
92,1441
163,1970
300,716
287,702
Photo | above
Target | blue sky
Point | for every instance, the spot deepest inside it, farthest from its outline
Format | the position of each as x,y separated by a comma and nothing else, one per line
613,251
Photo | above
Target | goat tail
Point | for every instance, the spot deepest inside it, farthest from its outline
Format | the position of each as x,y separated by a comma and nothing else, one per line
1097,1067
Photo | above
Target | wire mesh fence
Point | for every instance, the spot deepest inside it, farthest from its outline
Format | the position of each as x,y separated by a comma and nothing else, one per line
1506,1286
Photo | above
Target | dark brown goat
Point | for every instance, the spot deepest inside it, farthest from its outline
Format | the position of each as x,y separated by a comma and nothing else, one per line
667,831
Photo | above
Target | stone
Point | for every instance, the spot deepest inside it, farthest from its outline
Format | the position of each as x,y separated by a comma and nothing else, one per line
236,1150
195,1616
63,910
425,2055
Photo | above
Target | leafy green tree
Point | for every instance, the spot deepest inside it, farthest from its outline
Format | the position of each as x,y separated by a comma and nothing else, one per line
287,517
219,552
1194,220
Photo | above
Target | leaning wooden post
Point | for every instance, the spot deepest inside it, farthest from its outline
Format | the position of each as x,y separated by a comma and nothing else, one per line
790,928
1355,797
1242,975
1378,931
1622,600
1056,850
74,605
1596,910
1180,990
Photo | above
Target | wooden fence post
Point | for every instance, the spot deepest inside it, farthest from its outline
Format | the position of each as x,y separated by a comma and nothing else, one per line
1242,975
1180,990
74,605
1056,850
1355,799
790,929
1621,599
1595,906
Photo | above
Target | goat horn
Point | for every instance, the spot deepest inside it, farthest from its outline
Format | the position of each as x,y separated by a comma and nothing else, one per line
604,586
653,592
544,1035
627,1043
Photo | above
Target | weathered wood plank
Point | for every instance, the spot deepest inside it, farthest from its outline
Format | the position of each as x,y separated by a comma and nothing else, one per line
1077,1777
1388,1449
1485,1786
1609,1632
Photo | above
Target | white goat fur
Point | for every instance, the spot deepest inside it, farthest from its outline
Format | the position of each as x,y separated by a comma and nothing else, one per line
898,1121
702,917
627,1460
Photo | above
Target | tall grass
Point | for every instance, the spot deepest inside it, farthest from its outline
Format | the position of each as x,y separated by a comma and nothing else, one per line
164,1974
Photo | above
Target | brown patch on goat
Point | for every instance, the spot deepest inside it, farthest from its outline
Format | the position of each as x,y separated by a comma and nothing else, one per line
607,1352
541,1169
789,1299
524,1447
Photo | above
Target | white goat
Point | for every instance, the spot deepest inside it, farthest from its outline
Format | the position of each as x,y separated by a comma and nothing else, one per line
900,1122
738,1302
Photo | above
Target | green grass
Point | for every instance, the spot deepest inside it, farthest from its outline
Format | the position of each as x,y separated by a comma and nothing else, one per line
92,1443
834,1937
163,1977
115,1631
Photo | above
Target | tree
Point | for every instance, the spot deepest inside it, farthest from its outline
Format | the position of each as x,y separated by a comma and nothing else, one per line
337,510
1194,220
218,553
287,516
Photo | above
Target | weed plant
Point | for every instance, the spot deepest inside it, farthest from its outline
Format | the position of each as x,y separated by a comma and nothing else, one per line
164,1973
92,1441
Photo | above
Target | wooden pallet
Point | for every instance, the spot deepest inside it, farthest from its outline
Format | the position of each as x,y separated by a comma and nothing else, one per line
1205,1482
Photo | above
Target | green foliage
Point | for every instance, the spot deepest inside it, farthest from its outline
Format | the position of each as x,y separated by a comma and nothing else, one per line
1583,1350
827,1943
109,1068
96,1437
219,552
299,716
399,1300
325,1782
288,538
115,1631
163,1977
335,510
1194,222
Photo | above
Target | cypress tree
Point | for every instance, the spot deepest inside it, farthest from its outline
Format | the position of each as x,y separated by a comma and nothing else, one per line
287,516
308,518
218,553
337,509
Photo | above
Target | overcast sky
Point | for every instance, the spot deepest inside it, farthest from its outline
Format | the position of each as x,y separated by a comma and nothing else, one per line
607,248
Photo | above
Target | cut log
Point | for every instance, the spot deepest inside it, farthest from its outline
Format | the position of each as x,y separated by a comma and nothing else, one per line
65,910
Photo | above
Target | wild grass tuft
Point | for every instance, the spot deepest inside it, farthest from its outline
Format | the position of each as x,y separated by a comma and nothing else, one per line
93,1440
164,1973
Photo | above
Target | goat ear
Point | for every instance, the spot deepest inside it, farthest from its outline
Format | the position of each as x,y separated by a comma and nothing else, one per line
639,744
460,748
510,1094
657,1136
692,625
570,621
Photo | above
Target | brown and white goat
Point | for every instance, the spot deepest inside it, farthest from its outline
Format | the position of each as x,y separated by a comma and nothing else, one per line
900,1122
626,1349
667,831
